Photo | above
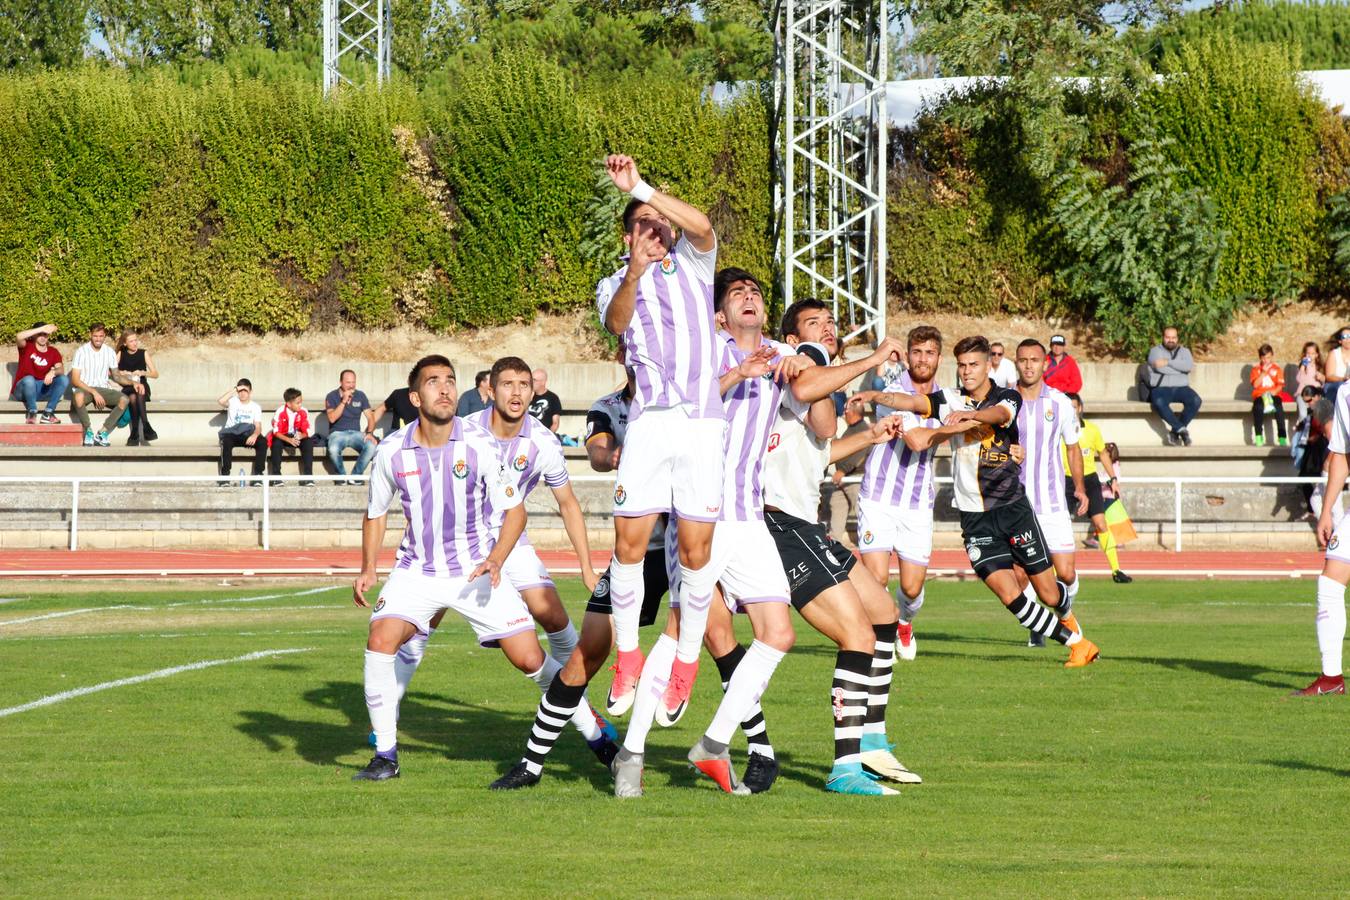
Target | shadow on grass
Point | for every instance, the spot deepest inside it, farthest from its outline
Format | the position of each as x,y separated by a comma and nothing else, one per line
1229,671
683,775
428,722
1299,765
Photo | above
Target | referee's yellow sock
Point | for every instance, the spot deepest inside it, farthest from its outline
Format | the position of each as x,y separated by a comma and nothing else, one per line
1108,542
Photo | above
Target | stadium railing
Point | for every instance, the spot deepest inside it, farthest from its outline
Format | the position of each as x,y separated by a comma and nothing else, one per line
264,485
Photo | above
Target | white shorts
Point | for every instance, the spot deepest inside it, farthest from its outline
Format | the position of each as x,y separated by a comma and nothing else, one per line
493,613
1058,530
524,569
1338,548
671,461
883,528
751,569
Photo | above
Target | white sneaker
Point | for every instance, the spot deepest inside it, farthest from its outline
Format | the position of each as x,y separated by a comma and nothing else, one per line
906,647
628,774
884,765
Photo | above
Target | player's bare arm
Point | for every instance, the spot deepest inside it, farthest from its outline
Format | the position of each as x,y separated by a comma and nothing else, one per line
915,403
821,419
879,433
372,539
921,438
820,381
1337,469
990,415
574,523
513,526
24,336
644,248
623,171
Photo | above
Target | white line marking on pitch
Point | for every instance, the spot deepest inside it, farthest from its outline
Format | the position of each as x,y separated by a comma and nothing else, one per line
319,590
92,609
148,676
67,612
4,600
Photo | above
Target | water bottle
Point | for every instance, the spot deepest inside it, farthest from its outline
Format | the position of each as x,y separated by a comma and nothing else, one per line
239,470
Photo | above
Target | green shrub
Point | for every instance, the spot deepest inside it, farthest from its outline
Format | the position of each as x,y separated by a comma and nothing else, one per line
1319,28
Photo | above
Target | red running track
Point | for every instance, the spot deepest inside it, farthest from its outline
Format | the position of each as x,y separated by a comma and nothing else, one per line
285,563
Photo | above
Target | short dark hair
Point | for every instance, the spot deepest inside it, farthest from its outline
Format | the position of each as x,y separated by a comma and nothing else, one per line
794,312
291,394
426,362
725,278
976,343
1032,342
1264,349
345,371
630,213
922,334
244,382
97,326
508,364
1074,397
481,377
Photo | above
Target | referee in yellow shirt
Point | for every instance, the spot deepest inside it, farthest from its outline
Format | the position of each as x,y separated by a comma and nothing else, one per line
1093,447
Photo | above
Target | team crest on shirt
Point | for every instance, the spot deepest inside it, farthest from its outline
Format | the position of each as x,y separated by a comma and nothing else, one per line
867,537
668,266
1049,414
620,495
602,587
379,605
510,491
520,462
973,552
1333,543
461,469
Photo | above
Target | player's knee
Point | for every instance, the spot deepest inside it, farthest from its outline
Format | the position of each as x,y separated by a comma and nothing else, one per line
529,660
912,587
695,556
779,635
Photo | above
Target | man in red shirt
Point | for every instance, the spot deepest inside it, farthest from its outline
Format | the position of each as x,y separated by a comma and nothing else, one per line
1061,371
40,375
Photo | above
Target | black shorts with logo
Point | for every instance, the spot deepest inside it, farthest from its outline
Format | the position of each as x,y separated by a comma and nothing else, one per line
998,538
1093,485
813,562
655,584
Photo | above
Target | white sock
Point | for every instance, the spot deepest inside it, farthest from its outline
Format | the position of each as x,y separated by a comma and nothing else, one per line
408,658
1030,593
1330,623
562,643
652,684
744,690
382,700
909,608
1073,588
625,597
581,717
696,596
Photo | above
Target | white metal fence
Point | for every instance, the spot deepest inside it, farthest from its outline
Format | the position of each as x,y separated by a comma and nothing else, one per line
263,485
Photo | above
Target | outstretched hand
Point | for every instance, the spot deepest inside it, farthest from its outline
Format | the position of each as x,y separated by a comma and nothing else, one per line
887,429
622,170
645,247
756,364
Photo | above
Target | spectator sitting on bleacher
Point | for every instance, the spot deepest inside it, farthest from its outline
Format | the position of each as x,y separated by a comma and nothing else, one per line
1267,384
1170,365
134,361
345,408
40,375
401,412
1002,372
1338,362
1061,369
291,428
546,407
243,427
1309,374
478,399
93,372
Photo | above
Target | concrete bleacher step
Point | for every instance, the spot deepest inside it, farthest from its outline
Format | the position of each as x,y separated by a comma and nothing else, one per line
41,435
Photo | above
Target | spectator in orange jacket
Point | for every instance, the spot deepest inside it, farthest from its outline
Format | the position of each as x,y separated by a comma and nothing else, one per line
1267,385
1061,371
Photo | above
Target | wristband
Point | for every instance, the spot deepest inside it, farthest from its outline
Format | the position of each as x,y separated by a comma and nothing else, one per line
642,192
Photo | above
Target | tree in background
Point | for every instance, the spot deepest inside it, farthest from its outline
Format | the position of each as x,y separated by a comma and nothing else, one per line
36,33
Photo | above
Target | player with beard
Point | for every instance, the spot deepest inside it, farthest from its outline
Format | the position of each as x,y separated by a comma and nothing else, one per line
997,523
444,473
836,597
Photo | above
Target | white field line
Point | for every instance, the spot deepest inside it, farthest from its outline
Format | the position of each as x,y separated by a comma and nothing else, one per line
124,606
318,590
148,676
67,612
4,600
174,635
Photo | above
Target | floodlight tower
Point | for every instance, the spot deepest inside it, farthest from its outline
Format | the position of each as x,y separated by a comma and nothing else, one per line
830,195
355,28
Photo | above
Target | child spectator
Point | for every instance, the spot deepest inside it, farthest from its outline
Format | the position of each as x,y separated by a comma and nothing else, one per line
291,428
1309,374
40,375
134,361
1267,384
243,427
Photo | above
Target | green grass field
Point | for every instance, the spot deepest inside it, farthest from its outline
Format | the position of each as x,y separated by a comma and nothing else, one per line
1175,765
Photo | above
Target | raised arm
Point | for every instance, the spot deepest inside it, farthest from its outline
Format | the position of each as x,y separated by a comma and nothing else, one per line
692,221
820,381
24,336
223,401
879,433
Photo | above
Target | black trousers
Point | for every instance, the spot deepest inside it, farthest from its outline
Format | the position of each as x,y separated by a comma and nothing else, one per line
229,441
1259,415
306,456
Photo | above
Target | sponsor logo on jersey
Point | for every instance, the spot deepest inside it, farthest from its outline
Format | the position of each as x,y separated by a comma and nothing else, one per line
1021,540
774,440
461,469
668,266
408,474
515,622
620,495
837,701
713,510
520,462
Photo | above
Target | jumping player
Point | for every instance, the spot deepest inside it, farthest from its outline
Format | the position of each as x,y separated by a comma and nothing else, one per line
443,472
997,523
836,597
660,302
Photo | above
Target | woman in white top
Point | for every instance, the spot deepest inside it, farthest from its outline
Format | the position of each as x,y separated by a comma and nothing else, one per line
1338,361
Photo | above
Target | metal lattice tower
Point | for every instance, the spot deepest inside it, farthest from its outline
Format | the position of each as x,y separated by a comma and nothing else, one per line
830,196
355,29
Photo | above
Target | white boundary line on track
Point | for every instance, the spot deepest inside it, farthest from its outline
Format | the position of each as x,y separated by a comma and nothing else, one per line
148,676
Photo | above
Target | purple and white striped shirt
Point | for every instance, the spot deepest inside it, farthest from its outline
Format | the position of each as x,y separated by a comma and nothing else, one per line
671,341
1042,425
448,494
894,473
531,455
752,411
